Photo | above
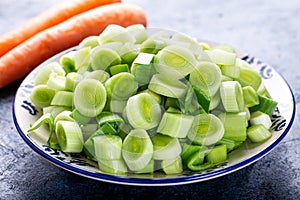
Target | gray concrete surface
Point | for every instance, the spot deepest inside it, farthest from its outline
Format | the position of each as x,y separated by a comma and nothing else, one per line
267,29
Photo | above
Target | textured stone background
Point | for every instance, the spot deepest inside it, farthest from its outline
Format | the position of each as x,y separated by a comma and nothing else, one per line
267,29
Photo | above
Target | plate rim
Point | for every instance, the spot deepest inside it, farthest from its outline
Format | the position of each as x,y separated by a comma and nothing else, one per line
187,179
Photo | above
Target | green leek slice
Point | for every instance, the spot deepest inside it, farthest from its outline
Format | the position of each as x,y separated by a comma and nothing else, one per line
266,105
258,133
217,154
137,149
249,77
172,165
235,125
165,147
42,95
115,167
250,96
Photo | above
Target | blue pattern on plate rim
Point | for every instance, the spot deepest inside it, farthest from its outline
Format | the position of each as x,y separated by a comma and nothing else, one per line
266,71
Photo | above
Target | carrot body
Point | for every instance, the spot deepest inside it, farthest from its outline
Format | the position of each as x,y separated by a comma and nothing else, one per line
22,59
46,19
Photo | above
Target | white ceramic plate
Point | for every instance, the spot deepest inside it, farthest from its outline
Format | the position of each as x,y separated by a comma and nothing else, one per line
24,114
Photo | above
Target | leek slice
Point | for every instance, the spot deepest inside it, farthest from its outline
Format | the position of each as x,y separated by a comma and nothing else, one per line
90,41
194,156
72,79
109,122
137,149
82,57
165,147
121,86
43,74
42,95
175,58
259,117
46,119
148,169
89,97
107,147
80,118
89,147
65,115
217,154
232,71
115,167
235,125
143,111
57,82
258,133
67,62
203,99
153,45
142,68
62,98
103,57
99,75
266,105
167,86
250,96
192,42
172,165
221,57
230,144
128,52
138,31
249,77
232,96
207,76
55,110
115,33
69,136
175,125
118,69
206,130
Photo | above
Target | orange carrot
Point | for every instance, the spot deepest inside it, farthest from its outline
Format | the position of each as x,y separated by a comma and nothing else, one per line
22,59
48,18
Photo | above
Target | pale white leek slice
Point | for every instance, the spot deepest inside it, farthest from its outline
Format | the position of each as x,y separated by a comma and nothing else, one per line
175,124
89,97
167,86
107,147
175,58
143,111
207,76
69,136
206,130
232,96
